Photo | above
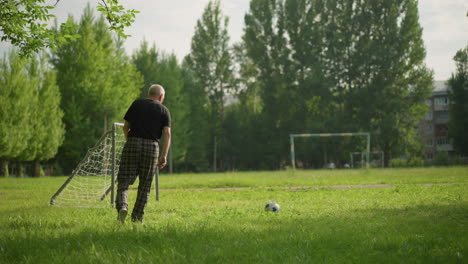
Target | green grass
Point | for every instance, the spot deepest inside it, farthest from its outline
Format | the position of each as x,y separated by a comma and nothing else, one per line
317,178
406,223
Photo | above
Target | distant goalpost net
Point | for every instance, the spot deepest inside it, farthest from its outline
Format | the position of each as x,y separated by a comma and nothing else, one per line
94,177
293,136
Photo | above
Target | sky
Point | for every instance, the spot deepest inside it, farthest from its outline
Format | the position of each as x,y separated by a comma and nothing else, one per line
170,25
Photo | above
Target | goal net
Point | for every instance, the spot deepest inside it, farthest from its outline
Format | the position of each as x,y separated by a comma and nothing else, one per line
92,181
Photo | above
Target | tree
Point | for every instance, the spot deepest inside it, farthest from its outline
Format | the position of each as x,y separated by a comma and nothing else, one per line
16,94
390,81
24,23
51,131
47,129
146,60
279,58
339,66
32,120
197,133
210,60
171,77
97,82
458,108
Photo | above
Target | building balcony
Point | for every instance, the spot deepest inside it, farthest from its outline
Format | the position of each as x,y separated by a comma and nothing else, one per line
441,107
441,120
444,147
441,134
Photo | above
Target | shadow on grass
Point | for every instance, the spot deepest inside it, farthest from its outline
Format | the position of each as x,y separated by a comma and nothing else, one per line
419,234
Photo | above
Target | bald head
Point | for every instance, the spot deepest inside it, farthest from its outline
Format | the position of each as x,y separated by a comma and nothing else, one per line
156,92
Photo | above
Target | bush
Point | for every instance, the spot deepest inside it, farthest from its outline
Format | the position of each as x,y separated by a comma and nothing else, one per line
442,159
416,162
398,163
458,160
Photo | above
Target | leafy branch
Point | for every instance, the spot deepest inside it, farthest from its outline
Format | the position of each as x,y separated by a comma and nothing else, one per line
118,17
24,23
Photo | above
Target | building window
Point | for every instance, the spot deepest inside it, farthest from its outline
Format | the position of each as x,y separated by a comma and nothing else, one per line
441,114
442,141
442,128
441,101
429,129
428,116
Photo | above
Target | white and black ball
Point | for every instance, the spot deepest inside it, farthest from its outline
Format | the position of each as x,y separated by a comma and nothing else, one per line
272,207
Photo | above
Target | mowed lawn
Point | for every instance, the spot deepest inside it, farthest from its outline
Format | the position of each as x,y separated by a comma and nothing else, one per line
418,216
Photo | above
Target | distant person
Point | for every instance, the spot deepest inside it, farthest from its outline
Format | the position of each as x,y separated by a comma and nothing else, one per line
145,121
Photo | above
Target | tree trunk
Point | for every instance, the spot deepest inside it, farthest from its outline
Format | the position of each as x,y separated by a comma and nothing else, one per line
12,168
20,169
36,168
4,168
386,155
214,155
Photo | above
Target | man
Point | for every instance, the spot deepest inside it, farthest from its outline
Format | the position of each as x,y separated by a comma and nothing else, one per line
145,121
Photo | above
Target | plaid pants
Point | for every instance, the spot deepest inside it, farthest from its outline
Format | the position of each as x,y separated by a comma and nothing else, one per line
139,158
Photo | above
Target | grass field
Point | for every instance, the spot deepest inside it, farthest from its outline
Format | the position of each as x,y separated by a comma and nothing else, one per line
421,218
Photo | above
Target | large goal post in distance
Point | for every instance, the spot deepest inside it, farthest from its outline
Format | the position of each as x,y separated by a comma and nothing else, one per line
95,176
292,136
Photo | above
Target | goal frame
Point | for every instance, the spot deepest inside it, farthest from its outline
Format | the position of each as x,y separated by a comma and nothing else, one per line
292,136
114,170
113,133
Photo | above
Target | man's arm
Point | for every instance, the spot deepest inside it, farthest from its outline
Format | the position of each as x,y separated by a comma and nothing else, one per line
126,128
166,144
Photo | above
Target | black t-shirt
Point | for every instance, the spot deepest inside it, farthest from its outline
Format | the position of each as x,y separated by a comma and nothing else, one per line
147,119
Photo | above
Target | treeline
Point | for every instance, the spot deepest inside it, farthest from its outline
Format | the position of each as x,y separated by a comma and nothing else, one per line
302,66
310,67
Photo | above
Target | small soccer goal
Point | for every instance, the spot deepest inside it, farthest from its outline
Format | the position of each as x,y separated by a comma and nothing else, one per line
93,179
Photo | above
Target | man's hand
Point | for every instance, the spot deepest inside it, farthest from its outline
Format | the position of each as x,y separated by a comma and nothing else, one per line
162,162
166,144
126,128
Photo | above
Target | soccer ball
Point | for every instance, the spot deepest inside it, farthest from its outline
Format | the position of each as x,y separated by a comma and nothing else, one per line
272,207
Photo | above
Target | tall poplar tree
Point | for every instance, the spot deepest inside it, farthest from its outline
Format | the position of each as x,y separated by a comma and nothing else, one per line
210,60
196,120
97,82
32,119
16,107
390,81
48,133
146,60
458,124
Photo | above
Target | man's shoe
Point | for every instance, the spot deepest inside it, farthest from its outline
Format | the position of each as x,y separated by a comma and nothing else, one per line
122,215
137,220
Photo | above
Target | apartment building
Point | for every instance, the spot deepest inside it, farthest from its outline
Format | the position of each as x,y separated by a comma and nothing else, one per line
434,127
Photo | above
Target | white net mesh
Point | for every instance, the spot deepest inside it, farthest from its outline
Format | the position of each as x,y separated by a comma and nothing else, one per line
90,183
